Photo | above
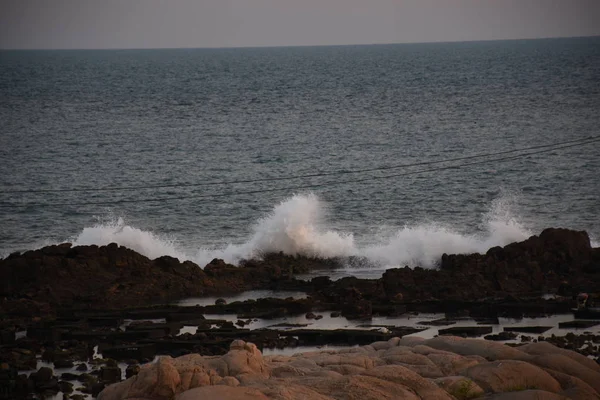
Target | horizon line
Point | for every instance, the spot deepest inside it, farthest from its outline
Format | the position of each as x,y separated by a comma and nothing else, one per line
293,45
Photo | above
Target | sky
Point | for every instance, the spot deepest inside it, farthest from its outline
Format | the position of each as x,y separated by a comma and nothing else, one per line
92,24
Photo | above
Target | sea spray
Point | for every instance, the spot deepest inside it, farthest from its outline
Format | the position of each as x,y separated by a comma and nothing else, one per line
117,231
295,226
298,225
423,244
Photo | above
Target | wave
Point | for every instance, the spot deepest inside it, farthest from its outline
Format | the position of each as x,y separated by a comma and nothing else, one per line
298,226
117,231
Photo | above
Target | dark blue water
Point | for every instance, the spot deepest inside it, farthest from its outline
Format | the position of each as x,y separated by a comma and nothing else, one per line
178,118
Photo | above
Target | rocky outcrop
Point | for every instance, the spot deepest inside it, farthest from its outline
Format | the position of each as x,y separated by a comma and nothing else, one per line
392,369
38,282
110,277
540,264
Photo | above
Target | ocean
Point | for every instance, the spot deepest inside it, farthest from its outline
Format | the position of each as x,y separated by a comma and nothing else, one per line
396,153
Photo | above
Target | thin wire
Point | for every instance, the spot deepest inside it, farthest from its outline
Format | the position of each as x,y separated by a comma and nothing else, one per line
290,188
290,177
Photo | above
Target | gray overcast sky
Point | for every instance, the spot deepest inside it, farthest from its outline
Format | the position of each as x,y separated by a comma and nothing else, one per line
42,24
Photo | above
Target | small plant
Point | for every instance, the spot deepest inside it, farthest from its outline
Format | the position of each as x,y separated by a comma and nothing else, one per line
464,390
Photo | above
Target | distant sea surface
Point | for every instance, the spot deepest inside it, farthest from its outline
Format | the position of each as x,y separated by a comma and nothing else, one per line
203,153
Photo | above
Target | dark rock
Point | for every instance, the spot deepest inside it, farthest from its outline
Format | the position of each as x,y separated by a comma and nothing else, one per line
466,331
97,388
310,315
7,336
132,370
138,351
63,364
68,376
220,301
110,375
335,314
528,329
587,313
82,367
501,336
65,387
87,379
42,376
50,386
111,363
438,322
23,386
577,324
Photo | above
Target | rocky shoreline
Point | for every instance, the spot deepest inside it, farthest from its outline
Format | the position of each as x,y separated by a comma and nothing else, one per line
409,368
63,304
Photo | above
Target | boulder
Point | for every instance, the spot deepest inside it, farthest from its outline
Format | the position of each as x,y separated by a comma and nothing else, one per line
567,365
394,371
403,376
358,387
511,376
573,387
460,387
541,348
222,393
486,349
527,395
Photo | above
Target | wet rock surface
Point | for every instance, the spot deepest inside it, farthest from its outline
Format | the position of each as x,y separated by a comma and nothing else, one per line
41,282
73,301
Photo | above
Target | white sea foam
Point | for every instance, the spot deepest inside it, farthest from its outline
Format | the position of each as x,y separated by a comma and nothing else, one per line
298,225
117,231
295,226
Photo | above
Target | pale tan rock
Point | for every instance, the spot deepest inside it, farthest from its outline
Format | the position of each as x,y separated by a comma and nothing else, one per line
411,341
567,365
541,348
345,369
487,349
357,359
158,380
361,350
400,375
274,359
304,362
230,381
369,349
285,390
526,395
242,359
415,362
460,387
511,375
222,393
359,387
573,387
426,350
192,377
395,369
287,371
451,364
381,345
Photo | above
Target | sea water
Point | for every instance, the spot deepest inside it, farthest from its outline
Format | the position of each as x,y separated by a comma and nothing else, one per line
231,153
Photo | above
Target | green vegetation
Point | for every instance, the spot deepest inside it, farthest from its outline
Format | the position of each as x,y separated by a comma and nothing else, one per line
464,390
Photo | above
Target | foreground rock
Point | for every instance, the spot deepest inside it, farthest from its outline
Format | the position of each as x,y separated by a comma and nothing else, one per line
410,368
